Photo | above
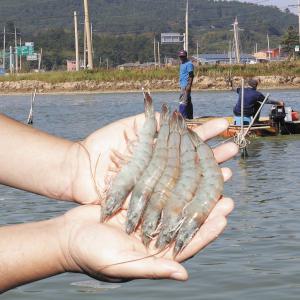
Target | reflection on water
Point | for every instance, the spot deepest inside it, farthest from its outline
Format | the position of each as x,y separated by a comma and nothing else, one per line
257,256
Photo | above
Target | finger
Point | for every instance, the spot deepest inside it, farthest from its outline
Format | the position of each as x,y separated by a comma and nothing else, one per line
225,152
140,266
207,233
211,128
223,208
227,173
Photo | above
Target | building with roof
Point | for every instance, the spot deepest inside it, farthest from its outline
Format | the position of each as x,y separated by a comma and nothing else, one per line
216,58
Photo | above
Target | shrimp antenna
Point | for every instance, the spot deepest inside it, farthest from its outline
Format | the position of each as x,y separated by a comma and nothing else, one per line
134,260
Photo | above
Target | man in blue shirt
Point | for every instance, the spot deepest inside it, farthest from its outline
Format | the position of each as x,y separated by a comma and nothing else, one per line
186,76
252,102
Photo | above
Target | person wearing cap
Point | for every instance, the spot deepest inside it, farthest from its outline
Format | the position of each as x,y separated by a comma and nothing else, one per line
252,102
186,76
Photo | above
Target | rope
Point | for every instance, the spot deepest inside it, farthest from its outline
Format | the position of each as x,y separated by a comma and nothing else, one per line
241,140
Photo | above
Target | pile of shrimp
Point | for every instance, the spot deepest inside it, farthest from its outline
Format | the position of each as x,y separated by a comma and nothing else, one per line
173,178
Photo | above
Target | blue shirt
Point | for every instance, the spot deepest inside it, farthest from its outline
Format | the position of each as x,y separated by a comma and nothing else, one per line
185,69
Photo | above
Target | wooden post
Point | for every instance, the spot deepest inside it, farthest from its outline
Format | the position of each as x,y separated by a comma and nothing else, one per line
76,41
236,40
11,66
40,59
154,51
158,54
16,51
187,27
20,55
84,47
4,46
88,34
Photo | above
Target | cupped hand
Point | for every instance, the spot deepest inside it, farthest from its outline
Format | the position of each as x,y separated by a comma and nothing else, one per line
104,250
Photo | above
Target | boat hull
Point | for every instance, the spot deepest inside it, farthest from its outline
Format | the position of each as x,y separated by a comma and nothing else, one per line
264,128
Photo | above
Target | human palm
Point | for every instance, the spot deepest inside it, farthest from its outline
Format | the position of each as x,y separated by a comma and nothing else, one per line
104,250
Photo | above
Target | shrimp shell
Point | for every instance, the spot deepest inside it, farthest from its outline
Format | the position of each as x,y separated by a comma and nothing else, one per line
130,173
165,184
184,190
207,195
144,187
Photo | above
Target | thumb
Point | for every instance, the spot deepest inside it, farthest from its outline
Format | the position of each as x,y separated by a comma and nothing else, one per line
151,267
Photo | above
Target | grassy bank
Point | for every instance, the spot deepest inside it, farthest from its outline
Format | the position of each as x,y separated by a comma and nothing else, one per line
114,75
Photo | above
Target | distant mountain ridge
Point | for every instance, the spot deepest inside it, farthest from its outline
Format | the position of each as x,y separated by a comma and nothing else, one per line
210,21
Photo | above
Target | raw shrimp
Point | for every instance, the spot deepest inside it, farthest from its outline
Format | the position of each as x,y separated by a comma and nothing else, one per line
144,187
207,195
130,173
164,185
184,190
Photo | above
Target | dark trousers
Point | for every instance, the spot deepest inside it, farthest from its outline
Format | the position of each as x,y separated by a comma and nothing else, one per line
186,105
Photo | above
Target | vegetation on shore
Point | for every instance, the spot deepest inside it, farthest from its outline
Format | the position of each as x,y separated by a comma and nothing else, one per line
166,73
124,31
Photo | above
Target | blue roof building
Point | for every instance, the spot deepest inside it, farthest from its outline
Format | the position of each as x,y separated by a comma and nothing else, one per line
222,58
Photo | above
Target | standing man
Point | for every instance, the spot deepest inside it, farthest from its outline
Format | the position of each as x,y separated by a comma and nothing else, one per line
186,76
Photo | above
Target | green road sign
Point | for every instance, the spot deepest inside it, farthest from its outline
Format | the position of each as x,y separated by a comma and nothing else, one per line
25,50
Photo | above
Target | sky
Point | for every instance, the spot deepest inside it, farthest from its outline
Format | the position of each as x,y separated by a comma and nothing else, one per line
282,4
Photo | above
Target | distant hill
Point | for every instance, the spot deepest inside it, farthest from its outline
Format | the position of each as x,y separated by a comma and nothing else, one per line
135,22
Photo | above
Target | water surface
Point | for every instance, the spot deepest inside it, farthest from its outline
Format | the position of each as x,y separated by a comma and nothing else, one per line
258,254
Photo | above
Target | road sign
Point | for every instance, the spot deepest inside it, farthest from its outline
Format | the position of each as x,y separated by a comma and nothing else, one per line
33,56
25,50
171,38
29,44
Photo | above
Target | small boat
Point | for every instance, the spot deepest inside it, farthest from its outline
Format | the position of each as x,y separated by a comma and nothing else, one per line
273,125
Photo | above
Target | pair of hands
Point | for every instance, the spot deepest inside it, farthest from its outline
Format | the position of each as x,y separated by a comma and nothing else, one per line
104,250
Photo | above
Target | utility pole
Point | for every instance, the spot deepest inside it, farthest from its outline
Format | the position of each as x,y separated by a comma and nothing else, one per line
268,40
20,44
154,51
76,41
84,47
11,67
197,53
187,27
230,52
158,54
16,51
40,59
4,48
88,34
236,40
92,45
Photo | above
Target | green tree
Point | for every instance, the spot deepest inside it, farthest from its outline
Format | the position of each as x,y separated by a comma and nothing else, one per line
290,40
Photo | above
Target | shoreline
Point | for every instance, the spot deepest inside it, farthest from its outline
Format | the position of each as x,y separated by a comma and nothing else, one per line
201,83
89,92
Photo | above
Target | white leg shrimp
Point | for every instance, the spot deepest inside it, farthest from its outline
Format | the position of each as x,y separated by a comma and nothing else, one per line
165,184
144,187
207,195
184,190
130,173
